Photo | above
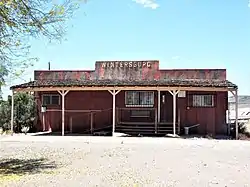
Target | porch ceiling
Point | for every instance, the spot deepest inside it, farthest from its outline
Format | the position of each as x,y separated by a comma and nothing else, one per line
169,83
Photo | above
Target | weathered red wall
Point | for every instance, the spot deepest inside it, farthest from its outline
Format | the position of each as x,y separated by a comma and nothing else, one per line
128,70
212,119
76,100
84,100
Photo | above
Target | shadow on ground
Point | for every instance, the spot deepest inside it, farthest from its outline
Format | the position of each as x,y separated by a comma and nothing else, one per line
24,166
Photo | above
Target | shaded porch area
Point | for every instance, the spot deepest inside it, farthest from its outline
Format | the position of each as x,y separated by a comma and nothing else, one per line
159,117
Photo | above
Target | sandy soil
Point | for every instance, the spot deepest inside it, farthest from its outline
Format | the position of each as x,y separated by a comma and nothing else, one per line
77,161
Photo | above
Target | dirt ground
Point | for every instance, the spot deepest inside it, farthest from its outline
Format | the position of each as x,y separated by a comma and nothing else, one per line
81,161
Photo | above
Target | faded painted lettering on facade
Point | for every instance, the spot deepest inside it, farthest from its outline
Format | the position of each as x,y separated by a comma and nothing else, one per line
126,64
131,70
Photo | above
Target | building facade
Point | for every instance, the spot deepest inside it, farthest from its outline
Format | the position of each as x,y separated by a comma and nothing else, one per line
133,97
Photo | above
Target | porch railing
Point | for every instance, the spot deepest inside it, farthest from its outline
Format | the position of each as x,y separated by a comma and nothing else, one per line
134,119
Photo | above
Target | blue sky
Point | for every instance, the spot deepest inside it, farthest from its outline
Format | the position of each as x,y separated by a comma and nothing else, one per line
179,33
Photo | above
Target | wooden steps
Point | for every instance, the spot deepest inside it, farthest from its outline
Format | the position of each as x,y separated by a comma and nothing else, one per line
146,128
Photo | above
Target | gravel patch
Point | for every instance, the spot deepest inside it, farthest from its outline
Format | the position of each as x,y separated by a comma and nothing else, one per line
172,162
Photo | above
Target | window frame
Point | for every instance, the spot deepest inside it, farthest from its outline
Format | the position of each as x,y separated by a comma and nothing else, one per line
51,95
140,105
202,101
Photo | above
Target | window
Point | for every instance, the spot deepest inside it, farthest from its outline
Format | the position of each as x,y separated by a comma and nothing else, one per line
51,100
139,99
203,100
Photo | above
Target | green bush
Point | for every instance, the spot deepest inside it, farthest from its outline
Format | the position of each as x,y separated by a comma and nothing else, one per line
24,112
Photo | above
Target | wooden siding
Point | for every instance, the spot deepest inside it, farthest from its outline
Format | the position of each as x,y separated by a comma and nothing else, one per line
212,120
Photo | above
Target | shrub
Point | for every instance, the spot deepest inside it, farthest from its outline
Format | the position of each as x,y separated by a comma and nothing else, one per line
24,112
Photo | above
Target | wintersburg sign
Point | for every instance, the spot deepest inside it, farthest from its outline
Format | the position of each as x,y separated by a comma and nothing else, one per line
126,64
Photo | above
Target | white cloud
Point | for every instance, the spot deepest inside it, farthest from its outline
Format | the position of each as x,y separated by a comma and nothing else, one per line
249,3
147,3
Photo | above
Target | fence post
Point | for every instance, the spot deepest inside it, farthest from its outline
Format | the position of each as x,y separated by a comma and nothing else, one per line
91,122
156,120
71,124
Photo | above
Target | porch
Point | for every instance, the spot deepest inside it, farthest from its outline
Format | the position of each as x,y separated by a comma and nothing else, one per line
155,120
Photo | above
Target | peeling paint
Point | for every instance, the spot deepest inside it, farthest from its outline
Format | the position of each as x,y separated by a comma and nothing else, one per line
131,70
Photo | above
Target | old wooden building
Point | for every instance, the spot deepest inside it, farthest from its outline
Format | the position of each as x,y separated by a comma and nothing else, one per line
133,97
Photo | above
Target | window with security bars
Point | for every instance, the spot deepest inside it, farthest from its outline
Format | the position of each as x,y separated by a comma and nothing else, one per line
139,99
203,101
51,99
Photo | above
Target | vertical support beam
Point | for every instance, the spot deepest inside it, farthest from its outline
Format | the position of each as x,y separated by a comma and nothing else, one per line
114,93
113,125
174,112
12,114
159,106
63,94
174,93
63,112
228,120
43,120
236,115
235,94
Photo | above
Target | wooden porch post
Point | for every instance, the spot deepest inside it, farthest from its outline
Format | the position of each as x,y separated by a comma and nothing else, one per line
235,94
12,114
63,94
114,93
159,106
174,93
228,119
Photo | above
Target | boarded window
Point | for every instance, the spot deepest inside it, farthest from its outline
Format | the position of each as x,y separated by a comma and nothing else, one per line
203,101
139,99
51,100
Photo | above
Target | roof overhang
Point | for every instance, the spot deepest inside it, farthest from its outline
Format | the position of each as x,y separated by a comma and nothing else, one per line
100,88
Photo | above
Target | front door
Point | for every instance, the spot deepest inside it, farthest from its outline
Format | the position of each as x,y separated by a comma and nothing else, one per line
166,106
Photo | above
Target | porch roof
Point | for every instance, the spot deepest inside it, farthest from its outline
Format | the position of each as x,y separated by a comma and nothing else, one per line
127,83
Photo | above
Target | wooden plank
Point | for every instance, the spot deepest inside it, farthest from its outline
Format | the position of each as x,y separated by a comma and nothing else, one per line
137,108
136,127
137,123
96,88
166,128
76,111
136,130
165,123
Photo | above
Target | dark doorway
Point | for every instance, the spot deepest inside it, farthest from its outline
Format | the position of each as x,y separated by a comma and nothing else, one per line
166,107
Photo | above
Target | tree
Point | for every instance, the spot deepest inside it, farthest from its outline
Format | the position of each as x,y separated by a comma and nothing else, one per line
24,112
21,20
